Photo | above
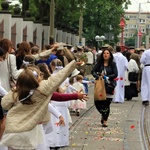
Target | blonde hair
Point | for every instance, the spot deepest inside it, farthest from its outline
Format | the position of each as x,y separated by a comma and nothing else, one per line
56,62
79,77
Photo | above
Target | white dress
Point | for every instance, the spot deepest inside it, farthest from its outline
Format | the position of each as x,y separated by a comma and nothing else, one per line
26,140
60,135
78,104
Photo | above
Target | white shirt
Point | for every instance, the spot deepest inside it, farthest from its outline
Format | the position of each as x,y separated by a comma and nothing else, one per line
89,57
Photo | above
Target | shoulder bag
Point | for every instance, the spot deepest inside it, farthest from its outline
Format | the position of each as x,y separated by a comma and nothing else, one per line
99,89
109,86
133,76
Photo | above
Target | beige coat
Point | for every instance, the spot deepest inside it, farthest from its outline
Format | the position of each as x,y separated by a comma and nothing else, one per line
21,118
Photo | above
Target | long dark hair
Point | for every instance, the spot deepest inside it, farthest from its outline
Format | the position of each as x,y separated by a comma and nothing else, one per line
44,69
101,58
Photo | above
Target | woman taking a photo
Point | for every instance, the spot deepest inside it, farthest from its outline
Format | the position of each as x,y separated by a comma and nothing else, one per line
106,68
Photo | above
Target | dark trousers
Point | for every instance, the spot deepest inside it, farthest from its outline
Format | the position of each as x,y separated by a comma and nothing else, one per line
128,92
104,107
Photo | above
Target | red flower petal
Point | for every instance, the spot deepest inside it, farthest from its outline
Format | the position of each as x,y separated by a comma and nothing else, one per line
121,78
132,127
116,79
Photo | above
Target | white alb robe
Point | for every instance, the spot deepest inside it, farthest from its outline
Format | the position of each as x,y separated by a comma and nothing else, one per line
145,84
122,64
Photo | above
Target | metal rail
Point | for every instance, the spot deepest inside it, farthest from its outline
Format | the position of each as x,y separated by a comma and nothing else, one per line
145,127
81,117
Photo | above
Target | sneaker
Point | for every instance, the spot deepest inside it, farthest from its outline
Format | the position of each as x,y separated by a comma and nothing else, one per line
145,103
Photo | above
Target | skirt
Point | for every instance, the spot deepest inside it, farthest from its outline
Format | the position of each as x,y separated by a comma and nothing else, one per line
24,140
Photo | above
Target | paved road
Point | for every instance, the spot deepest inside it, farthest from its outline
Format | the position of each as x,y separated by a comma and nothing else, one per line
123,132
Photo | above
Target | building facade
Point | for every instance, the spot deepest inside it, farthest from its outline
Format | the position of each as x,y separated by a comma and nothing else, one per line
137,21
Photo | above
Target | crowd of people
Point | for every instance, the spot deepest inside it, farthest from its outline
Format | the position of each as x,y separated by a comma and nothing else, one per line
39,89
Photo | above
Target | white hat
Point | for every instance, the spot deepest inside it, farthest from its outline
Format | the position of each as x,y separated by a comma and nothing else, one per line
80,47
75,72
105,46
60,47
61,44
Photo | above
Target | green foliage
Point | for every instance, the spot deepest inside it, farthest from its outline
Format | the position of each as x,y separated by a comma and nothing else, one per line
98,15
130,41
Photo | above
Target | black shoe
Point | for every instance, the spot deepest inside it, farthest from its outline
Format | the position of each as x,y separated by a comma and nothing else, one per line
145,103
78,114
104,125
57,148
102,121
128,99
138,91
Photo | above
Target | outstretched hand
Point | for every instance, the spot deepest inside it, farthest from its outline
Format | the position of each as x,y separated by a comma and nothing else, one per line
79,63
82,96
61,121
55,45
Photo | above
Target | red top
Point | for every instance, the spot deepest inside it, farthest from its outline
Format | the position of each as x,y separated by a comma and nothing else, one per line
63,97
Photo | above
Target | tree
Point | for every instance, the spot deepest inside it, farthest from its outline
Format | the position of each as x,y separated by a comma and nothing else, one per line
130,41
99,15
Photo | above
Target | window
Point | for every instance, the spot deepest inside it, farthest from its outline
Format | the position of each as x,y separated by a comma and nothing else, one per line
142,21
126,16
132,26
143,30
148,26
126,27
133,17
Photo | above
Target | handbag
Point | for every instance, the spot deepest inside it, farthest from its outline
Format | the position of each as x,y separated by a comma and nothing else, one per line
99,89
109,88
133,76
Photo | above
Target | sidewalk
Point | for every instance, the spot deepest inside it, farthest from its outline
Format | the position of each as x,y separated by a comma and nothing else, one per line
123,132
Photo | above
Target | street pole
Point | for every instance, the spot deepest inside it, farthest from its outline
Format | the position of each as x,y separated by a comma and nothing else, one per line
80,28
52,14
122,25
138,26
122,36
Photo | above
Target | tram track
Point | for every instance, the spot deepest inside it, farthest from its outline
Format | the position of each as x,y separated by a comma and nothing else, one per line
145,127
81,117
84,114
